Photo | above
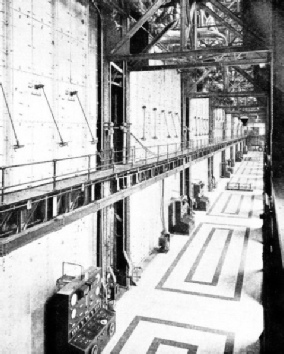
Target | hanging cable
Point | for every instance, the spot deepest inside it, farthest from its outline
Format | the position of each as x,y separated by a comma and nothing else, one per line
62,142
165,117
171,113
75,93
17,146
144,147
144,122
155,123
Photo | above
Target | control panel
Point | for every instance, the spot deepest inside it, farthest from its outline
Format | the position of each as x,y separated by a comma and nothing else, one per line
80,322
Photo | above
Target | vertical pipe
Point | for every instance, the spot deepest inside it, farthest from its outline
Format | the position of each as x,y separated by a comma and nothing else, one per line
183,24
195,28
54,174
3,185
167,152
89,167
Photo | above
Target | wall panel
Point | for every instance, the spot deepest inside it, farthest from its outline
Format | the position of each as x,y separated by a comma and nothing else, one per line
159,90
199,172
51,43
30,274
146,216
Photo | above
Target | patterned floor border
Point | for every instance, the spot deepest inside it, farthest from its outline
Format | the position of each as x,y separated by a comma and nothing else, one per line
240,277
229,196
229,345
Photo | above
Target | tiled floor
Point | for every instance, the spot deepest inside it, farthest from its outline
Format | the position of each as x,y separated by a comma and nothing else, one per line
204,295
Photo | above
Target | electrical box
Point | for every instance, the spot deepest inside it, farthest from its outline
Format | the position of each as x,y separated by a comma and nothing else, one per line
78,322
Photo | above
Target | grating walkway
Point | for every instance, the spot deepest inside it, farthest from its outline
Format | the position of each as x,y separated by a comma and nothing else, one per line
204,295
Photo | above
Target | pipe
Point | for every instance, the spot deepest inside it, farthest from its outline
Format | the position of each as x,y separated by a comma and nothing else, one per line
130,268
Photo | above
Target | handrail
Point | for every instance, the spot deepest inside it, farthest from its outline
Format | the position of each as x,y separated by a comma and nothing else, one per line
108,159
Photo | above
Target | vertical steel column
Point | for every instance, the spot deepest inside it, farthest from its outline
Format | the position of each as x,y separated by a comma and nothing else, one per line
211,122
54,174
124,65
271,111
225,127
127,113
182,24
183,110
194,39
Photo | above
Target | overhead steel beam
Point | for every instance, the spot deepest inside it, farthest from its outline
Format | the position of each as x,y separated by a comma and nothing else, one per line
154,42
231,4
227,94
226,11
246,76
182,24
112,4
229,13
220,19
138,24
191,66
205,74
238,106
185,54
244,112
158,37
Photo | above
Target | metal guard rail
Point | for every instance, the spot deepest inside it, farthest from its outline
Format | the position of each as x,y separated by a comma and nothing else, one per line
104,160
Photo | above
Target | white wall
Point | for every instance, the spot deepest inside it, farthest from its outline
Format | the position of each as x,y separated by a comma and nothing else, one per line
199,172
160,90
217,162
199,119
219,117
146,216
51,43
28,276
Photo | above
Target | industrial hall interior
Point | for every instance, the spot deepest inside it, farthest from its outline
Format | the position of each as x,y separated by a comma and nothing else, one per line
142,176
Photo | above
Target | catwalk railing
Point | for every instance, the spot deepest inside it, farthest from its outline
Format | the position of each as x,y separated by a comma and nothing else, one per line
32,213
17,178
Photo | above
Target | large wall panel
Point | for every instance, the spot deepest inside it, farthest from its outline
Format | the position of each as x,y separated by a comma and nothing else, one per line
199,172
29,275
53,43
146,222
159,90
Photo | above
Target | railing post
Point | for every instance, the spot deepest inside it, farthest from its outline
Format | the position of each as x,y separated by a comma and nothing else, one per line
54,174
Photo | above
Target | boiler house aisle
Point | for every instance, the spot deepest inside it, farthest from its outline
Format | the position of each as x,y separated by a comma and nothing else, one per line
204,295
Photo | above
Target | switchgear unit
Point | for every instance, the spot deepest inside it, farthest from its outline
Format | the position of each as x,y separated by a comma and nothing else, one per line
80,322
239,156
201,201
181,218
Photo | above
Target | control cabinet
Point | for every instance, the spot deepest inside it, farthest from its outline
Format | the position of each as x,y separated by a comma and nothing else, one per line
80,323
181,218
201,201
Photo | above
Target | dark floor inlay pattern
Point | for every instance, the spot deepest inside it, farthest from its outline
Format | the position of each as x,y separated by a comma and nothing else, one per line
229,344
191,349
218,270
226,203
240,275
